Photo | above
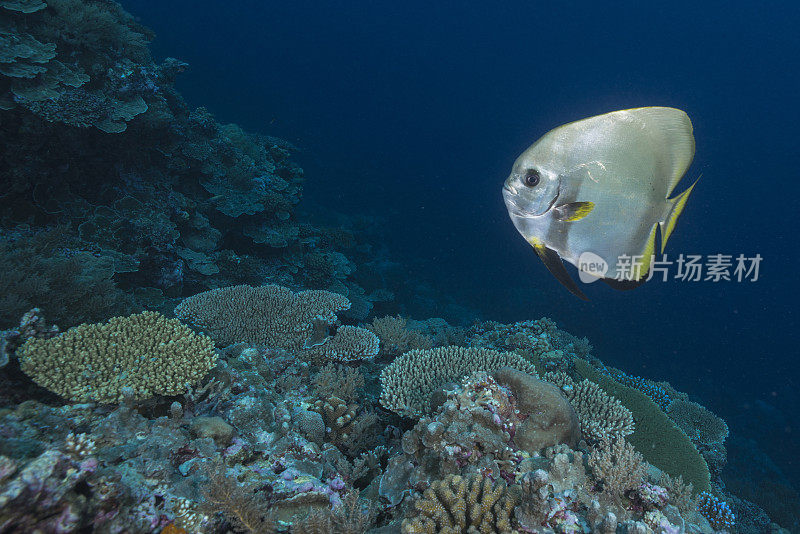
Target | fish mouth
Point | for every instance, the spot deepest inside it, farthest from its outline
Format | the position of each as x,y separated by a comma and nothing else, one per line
510,194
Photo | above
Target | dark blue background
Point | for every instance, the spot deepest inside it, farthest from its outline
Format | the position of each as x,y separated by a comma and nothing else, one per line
416,110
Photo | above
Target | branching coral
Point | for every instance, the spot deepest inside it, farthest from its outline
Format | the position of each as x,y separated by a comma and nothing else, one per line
459,504
145,353
269,315
718,513
602,417
409,381
344,382
396,338
617,467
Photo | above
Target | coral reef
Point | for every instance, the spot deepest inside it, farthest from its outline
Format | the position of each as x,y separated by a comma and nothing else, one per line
137,356
293,393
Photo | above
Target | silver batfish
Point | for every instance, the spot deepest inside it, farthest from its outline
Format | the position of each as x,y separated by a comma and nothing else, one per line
593,192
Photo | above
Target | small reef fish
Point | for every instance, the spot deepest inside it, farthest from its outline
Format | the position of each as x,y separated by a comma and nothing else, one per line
593,192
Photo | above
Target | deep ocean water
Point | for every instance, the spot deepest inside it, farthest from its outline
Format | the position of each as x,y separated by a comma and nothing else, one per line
257,274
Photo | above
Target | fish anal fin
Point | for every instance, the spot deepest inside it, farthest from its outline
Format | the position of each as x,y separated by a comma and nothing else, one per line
573,211
553,262
624,285
676,207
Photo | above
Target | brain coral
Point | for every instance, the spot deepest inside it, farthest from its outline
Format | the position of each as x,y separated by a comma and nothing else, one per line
408,382
269,315
146,352
551,420
463,504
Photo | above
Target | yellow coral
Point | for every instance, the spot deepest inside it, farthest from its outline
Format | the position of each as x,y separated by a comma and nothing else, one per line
457,504
146,352
408,382
268,315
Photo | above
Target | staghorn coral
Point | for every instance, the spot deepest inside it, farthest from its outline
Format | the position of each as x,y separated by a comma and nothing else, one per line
349,343
466,504
409,381
146,353
602,417
346,425
268,315
396,338
617,467
344,382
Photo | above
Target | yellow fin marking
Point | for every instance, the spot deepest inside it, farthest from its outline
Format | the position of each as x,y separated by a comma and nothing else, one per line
648,253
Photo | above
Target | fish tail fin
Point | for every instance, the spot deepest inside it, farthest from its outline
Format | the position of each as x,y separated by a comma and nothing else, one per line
676,206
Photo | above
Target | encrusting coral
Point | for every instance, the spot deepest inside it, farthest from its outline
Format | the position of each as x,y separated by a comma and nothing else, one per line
145,353
409,381
465,504
269,315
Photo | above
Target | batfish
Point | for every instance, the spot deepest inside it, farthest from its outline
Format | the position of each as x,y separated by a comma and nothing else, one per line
593,193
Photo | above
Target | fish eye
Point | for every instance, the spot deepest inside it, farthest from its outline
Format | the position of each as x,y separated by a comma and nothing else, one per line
532,178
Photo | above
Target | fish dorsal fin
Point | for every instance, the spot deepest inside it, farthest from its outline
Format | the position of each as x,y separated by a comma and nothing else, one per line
671,130
573,211
652,143
553,262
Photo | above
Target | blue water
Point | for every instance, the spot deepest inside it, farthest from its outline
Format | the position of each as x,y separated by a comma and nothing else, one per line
414,111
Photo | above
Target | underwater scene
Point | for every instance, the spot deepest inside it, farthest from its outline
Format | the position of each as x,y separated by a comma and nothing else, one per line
394,268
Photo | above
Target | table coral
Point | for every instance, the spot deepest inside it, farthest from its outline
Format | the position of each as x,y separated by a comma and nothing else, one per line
146,353
409,381
268,315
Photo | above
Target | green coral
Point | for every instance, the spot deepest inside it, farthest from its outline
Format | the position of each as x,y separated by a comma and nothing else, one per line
657,437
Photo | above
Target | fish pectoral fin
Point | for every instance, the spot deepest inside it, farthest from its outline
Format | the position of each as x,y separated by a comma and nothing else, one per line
573,211
553,262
